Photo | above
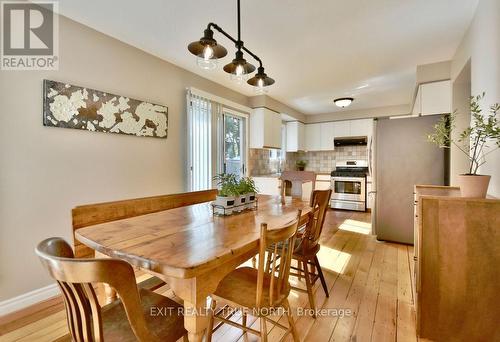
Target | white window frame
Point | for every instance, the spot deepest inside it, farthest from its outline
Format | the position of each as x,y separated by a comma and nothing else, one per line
231,108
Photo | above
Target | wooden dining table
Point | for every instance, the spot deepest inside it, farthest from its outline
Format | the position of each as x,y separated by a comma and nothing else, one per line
190,248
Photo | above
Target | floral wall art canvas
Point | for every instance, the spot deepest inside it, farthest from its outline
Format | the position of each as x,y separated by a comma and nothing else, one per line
71,106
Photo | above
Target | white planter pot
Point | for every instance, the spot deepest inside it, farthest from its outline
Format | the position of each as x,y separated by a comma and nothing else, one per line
474,185
250,200
240,203
227,204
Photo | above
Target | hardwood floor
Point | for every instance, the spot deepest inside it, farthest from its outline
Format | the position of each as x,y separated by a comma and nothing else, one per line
368,281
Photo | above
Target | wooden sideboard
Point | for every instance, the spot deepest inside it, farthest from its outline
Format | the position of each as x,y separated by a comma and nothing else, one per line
457,265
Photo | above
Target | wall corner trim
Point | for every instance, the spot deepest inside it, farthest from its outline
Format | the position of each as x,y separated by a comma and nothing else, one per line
27,299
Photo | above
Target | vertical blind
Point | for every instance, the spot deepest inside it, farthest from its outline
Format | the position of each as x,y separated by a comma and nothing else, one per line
199,142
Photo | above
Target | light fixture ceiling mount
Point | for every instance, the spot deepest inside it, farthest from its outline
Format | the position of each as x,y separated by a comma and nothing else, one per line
208,51
343,102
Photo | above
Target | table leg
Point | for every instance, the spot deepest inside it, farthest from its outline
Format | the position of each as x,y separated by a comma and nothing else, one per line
195,321
110,294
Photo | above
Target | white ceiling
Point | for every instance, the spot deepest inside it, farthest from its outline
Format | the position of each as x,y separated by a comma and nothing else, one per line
315,50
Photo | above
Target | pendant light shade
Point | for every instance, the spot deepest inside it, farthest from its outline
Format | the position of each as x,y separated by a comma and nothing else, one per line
207,50
239,66
260,79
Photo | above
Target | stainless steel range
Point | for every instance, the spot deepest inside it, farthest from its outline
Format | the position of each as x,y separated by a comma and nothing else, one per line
349,185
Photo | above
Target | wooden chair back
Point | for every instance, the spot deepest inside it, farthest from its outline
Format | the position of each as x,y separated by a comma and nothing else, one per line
283,239
319,201
91,214
298,178
75,278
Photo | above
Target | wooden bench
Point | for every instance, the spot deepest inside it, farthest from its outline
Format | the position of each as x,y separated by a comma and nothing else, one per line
91,214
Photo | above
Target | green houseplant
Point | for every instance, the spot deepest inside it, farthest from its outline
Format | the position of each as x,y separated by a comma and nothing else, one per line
301,165
484,132
247,187
227,185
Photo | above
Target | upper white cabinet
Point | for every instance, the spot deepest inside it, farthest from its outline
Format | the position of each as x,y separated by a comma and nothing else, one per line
433,98
319,136
362,127
327,133
265,129
342,128
313,137
295,136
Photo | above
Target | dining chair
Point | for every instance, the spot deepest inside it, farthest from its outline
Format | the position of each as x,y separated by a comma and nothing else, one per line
138,314
256,290
307,247
295,179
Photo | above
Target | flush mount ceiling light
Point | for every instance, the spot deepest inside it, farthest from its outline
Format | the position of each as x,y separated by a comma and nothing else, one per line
343,101
208,51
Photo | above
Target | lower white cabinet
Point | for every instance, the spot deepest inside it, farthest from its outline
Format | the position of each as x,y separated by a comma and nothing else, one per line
267,185
323,182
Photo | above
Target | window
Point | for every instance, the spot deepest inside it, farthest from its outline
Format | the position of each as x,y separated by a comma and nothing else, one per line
217,141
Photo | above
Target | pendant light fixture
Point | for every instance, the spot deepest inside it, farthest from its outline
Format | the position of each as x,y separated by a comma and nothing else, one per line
343,102
208,51
239,68
260,81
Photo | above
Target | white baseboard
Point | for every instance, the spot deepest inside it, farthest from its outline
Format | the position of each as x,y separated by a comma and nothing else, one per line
28,299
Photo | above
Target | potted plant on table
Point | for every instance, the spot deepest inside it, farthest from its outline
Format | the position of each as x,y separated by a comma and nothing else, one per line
226,196
301,165
483,132
248,188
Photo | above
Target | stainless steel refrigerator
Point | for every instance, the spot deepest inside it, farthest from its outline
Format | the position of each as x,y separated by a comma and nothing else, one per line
401,157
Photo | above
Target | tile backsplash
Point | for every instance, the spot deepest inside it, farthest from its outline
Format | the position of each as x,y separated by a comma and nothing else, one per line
260,162
317,161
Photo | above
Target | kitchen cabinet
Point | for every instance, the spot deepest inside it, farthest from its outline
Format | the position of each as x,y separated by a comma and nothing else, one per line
323,182
265,129
433,98
341,128
361,127
295,136
313,137
455,282
267,185
320,136
327,133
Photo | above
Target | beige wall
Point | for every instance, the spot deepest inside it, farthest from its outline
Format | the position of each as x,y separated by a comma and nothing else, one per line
269,102
433,72
45,171
481,44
